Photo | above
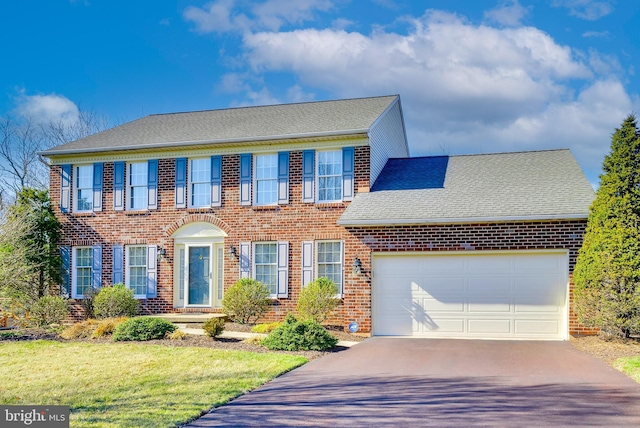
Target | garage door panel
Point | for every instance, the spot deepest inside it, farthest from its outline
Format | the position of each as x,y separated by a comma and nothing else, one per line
497,295
489,326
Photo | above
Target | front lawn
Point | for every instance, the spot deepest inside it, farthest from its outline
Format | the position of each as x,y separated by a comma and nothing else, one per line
131,384
629,366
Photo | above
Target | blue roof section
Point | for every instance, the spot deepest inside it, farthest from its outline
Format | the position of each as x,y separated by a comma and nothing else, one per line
412,174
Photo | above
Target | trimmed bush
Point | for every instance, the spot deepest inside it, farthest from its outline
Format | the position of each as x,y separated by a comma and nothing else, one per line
317,300
114,302
245,300
80,330
49,310
143,328
107,326
213,327
294,335
265,328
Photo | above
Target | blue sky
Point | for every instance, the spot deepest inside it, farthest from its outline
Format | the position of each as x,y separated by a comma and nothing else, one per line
474,76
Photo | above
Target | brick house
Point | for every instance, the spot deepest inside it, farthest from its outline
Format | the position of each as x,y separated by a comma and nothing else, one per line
179,206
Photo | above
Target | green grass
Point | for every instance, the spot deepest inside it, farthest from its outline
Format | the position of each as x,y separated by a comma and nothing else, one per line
630,366
131,384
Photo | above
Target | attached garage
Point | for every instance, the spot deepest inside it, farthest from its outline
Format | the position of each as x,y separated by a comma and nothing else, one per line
486,295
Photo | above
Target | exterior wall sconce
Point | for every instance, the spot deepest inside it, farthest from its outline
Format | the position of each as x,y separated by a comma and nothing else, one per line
356,267
233,252
162,253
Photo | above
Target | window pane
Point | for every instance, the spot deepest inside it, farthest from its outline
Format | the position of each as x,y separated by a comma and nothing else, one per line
265,259
201,195
330,176
201,170
137,274
266,179
85,177
139,198
138,174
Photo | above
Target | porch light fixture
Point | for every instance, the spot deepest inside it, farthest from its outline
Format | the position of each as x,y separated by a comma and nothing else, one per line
162,253
233,252
356,267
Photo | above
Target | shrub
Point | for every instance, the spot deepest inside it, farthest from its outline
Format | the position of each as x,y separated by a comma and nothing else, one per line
49,310
254,340
265,328
143,328
177,335
87,303
294,335
107,326
246,299
116,301
213,327
80,330
317,300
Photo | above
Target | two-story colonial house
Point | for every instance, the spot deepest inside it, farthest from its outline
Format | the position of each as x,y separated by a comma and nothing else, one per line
179,206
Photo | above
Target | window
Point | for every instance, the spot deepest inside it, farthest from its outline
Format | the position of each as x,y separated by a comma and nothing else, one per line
329,176
84,188
200,182
266,264
82,271
138,186
329,262
266,179
137,270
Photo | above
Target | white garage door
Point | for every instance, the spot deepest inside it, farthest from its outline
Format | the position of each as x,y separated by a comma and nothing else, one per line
518,295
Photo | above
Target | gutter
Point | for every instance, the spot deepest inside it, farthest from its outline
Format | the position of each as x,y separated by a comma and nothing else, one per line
458,220
54,152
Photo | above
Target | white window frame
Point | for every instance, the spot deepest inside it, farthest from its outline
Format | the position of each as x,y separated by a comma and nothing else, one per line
318,189
74,271
128,267
77,188
130,186
317,262
192,183
273,179
274,264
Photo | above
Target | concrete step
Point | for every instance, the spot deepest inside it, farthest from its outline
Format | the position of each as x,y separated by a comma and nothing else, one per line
189,318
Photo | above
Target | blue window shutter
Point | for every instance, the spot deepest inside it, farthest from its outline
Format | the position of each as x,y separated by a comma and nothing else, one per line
152,185
97,186
65,269
181,183
283,269
348,154
216,181
96,256
283,177
245,260
307,262
118,264
308,169
245,179
65,188
152,271
118,186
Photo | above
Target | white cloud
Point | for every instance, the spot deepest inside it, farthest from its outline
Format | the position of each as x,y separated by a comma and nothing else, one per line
221,16
508,13
44,109
465,88
590,10
595,34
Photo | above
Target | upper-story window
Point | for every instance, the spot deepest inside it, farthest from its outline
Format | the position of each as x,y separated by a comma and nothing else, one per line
137,186
266,179
330,176
200,182
84,188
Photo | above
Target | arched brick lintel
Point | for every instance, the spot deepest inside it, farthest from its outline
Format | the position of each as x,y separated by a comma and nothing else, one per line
193,218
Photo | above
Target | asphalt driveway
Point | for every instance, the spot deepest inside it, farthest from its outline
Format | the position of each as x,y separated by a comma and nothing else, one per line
428,382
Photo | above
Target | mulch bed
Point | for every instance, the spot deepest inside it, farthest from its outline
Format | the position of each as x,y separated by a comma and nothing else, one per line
607,350
189,341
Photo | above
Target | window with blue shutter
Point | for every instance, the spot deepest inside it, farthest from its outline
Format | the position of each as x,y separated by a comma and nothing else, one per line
86,272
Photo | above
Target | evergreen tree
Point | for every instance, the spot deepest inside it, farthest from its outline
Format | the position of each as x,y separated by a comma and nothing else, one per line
607,272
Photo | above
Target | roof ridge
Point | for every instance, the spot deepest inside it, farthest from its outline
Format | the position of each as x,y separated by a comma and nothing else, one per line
273,105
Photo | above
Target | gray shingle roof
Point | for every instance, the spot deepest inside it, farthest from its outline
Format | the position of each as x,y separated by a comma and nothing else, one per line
236,124
486,187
